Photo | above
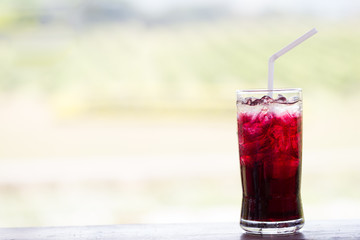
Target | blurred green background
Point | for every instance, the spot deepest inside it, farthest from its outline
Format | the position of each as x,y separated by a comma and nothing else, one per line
124,111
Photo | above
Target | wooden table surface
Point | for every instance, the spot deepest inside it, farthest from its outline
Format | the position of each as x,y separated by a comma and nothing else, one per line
210,231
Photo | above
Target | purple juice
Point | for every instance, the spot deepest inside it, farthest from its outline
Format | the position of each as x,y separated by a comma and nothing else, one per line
270,146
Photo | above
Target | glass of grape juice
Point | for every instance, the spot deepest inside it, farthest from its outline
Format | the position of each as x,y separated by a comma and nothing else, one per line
270,147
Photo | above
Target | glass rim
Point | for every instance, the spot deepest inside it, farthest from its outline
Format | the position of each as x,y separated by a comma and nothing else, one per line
276,90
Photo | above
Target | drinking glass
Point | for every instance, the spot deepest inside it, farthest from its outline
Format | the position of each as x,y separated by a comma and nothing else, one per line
270,147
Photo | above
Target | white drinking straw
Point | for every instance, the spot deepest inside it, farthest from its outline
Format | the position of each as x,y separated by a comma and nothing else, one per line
282,52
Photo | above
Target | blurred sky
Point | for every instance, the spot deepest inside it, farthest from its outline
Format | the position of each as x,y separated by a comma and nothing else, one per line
323,8
330,9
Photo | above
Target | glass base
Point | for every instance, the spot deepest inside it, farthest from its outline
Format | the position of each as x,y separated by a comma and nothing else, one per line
283,227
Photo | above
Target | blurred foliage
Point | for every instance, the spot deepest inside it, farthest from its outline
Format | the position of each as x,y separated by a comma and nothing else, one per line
107,56
197,65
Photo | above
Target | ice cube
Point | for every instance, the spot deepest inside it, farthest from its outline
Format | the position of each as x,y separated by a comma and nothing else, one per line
294,99
252,101
285,168
280,99
249,100
266,100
